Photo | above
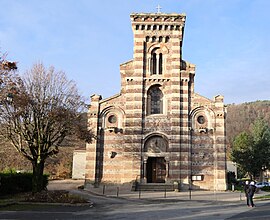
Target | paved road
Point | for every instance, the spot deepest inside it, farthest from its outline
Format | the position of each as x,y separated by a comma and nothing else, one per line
172,210
108,208
203,206
261,212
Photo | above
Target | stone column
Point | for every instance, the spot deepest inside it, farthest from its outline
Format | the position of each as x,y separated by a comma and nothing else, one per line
167,168
144,180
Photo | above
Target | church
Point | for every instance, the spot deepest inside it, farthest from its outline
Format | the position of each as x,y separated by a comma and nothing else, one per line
157,130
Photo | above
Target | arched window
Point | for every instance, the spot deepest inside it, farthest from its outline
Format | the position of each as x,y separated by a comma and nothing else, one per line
160,64
156,62
154,100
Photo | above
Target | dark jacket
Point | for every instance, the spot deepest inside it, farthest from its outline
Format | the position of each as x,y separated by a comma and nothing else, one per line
251,190
246,187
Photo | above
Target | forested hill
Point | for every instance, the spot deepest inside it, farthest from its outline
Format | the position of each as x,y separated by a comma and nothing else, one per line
241,116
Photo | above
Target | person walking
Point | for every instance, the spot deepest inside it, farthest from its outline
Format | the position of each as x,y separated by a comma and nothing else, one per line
251,191
246,187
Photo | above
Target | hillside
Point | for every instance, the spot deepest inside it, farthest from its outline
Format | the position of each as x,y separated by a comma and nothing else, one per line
58,166
239,118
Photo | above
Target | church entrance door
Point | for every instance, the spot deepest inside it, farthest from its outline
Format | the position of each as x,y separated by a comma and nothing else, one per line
156,170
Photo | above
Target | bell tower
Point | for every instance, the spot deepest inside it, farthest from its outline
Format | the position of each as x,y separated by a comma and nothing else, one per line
158,41
158,85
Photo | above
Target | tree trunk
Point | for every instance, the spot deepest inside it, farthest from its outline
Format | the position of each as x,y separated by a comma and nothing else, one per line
261,176
37,181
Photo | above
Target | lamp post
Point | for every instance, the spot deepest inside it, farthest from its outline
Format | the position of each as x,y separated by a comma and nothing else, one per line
190,176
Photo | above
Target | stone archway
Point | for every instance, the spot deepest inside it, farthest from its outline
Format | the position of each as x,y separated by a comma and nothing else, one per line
156,160
156,144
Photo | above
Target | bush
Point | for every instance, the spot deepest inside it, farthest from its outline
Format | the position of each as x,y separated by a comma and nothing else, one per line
266,188
237,187
12,183
238,184
231,177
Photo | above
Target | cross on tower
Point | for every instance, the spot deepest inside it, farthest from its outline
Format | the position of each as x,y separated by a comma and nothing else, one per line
158,9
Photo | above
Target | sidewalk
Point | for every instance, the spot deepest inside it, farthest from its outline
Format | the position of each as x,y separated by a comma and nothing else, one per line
170,195
124,191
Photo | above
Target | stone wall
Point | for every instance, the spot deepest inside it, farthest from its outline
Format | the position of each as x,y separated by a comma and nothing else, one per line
78,166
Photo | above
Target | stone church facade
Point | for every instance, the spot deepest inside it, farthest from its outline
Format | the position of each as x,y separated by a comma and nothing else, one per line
157,129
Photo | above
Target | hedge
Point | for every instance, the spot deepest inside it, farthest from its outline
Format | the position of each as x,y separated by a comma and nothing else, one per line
12,183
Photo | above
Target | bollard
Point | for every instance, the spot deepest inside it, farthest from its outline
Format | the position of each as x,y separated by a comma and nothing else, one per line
117,191
165,191
189,193
240,196
139,193
176,186
103,189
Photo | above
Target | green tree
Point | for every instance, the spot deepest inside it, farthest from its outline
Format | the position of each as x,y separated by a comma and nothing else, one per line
38,112
251,150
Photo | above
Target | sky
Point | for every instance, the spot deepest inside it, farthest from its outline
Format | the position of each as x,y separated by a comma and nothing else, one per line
227,40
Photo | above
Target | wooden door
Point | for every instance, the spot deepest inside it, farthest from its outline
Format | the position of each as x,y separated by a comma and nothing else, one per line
156,170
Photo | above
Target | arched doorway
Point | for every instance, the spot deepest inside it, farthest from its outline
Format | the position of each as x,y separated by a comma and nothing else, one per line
155,170
155,164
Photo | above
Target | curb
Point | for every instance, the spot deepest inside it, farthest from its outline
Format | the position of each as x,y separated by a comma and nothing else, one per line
89,204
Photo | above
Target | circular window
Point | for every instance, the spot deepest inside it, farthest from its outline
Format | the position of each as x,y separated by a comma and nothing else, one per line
112,119
201,119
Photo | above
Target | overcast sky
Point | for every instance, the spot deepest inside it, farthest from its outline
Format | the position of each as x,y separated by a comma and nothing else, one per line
227,40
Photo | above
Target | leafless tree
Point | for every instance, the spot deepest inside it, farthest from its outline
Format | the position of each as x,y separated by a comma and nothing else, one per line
37,112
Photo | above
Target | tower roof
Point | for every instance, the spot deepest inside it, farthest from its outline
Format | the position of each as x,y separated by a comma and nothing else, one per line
152,17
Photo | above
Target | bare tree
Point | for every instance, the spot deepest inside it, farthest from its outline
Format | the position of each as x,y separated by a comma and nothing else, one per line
37,112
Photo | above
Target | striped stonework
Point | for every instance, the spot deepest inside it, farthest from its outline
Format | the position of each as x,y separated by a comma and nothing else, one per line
157,130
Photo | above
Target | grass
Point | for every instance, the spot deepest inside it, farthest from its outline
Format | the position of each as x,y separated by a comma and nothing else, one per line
263,197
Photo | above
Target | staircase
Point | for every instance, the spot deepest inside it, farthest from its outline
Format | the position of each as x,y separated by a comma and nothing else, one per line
152,187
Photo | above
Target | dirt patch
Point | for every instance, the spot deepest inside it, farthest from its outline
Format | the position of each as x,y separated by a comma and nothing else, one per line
55,196
67,184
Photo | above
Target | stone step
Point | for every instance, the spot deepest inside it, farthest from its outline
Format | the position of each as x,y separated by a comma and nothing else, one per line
153,187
